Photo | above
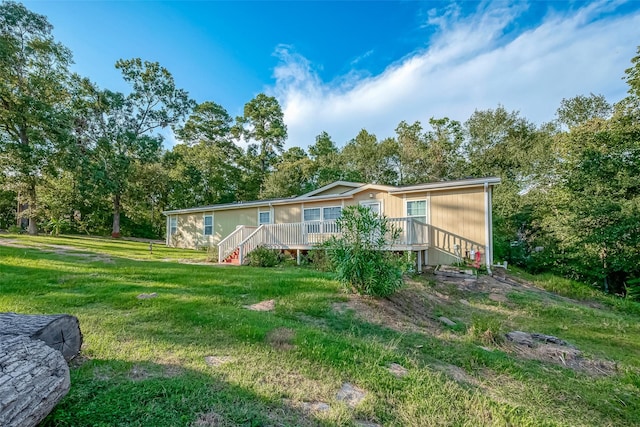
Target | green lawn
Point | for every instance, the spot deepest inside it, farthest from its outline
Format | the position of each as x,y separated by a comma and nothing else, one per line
144,362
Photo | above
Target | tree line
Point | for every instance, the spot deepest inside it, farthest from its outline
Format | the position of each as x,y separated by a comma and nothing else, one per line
79,158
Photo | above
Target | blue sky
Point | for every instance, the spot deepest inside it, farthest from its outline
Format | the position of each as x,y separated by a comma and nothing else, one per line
343,66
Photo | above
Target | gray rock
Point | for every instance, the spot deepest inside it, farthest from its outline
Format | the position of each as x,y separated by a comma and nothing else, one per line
446,321
147,296
350,394
519,337
398,370
315,406
464,301
548,338
361,423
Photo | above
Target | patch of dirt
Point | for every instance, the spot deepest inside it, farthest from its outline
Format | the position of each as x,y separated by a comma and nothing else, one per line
268,305
350,395
147,296
281,338
140,373
308,407
409,309
397,370
11,243
456,373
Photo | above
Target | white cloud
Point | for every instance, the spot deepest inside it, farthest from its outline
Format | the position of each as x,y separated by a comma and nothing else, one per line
470,64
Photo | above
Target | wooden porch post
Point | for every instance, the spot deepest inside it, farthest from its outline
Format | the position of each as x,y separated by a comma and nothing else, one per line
298,256
420,261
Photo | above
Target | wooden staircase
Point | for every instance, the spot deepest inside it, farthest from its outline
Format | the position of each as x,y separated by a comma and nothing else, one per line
233,257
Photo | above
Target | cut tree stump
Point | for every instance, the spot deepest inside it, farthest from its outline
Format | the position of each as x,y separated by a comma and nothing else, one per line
33,379
59,331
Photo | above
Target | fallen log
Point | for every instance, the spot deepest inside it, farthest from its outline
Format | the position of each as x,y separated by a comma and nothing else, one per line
33,379
59,331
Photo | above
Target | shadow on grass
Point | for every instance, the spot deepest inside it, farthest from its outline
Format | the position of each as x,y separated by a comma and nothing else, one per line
114,392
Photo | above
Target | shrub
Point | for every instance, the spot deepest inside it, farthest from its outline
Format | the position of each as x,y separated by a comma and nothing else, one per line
360,262
15,229
633,289
264,257
319,260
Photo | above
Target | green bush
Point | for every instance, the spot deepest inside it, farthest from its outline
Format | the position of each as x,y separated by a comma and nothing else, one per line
360,262
15,229
633,289
319,260
264,257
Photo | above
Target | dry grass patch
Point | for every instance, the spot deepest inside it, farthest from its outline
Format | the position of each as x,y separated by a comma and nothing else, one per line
281,338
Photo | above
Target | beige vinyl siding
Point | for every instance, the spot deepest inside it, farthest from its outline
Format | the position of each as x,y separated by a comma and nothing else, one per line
287,214
391,205
189,228
226,221
457,216
338,189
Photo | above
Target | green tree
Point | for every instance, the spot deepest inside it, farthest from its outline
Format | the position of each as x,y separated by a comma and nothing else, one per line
262,126
580,109
204,168
122,129
326,161
410,154
34,99
443,143
291,177
367,160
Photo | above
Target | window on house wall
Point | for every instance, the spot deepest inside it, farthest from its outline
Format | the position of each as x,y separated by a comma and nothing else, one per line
417,209
311,214
173,225
331,213
374,206
264,218
208,225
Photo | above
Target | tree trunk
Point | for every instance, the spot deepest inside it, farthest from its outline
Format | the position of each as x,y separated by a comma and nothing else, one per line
59,331
115,232
33,379
31,197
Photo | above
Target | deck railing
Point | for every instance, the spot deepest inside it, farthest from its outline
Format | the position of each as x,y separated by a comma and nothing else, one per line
307,234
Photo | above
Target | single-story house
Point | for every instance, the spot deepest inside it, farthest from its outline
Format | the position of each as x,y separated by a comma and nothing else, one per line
441,221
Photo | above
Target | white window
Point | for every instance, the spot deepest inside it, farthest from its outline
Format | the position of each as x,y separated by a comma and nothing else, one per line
264,218
374,206
417,209
311,214
173,225
331,213
208,225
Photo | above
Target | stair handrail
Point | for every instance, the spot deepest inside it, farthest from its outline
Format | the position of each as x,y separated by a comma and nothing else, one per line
241,245
225,249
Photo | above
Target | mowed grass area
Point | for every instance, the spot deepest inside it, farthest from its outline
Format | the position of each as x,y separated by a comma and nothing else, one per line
194,356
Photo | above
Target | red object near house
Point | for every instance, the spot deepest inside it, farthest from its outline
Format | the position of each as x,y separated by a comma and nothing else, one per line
478,259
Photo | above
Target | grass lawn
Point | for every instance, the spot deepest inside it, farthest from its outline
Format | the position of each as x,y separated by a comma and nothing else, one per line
195,356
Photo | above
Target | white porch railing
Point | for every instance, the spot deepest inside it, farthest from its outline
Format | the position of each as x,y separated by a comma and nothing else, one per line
413,231
307,234
233,240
